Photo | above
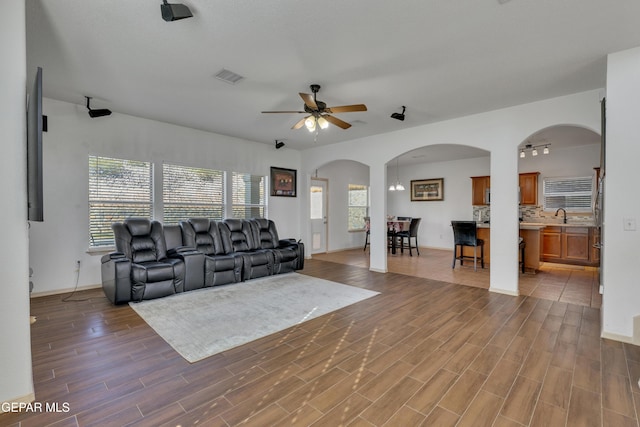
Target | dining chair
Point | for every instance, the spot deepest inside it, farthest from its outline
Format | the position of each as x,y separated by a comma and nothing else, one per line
465,233
412,232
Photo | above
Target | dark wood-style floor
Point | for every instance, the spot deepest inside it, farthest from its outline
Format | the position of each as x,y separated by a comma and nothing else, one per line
423,352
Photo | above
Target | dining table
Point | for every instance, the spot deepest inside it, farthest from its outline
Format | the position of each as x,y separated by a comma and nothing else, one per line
394,226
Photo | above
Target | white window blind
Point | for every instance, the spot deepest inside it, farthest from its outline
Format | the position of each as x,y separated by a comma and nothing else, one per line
189,192
358,206
118,189
572,194
248,196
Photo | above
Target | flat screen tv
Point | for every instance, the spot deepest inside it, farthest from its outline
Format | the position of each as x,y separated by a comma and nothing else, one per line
35,127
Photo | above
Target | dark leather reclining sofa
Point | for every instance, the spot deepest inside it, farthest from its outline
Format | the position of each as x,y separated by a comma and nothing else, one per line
153,261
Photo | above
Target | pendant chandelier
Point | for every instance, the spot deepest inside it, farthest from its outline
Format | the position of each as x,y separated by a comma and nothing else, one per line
398,185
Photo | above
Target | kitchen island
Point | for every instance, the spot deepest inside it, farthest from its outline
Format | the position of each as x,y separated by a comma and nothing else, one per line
531,233
571,243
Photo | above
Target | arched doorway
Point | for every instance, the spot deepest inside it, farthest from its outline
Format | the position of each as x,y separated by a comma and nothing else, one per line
563,161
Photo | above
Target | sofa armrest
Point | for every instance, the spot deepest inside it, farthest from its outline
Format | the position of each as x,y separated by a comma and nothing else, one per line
193,266
111,256
116,277
174,252
283,243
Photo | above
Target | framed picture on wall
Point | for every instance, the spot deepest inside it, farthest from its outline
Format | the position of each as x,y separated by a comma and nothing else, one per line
283,182
426,190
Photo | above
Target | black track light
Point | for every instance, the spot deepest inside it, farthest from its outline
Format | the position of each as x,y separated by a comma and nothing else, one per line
97,113
174,12
279,144
399,116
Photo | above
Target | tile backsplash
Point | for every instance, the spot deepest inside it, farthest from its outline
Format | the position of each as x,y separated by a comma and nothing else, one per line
530,214
537,214
482,213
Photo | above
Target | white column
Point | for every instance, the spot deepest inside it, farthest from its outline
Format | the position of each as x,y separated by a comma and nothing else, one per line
16,383
378,209
504,221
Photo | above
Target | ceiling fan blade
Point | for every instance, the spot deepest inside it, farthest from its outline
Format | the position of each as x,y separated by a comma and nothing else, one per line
347,108
309,101
300,123
336,121
283,112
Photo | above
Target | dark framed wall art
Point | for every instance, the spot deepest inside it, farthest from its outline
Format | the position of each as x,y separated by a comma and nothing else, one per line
424,190
283,182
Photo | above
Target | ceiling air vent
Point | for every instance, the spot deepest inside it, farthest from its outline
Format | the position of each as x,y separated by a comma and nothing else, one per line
228,76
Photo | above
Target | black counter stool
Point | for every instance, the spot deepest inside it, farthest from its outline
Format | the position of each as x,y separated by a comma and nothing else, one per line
465,233
521,245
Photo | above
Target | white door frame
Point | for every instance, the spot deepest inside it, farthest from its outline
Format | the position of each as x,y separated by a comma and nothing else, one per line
325,204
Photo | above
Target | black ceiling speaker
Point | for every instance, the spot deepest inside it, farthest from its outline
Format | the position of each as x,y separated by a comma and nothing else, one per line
174,12
97,113
399,116
279,144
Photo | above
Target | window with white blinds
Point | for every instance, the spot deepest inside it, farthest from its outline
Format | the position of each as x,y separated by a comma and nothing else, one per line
572,194
358,206
248,196
189,192
118,189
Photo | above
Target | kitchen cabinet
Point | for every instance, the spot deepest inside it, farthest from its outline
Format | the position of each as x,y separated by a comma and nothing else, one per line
480,186
570,245
531,236
529,188
528,182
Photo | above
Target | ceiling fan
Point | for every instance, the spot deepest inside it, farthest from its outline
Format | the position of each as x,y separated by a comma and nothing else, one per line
319,115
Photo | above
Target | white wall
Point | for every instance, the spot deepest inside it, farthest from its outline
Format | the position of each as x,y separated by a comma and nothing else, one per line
63,237
435,227
15,351
621,298
562,162
498,132
340,174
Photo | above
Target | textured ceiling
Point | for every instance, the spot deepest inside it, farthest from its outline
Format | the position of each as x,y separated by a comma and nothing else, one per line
440,58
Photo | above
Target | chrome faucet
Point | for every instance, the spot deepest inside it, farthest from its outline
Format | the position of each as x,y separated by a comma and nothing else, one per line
564,216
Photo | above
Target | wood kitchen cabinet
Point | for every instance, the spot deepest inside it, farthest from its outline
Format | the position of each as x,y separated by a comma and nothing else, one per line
480,186
551,244
569,245
528,182
529,188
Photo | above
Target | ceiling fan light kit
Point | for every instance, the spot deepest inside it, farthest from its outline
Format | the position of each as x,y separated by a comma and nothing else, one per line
97,113
174,12
319,115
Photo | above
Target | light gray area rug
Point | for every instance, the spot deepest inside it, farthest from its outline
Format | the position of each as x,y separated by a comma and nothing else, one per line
201,323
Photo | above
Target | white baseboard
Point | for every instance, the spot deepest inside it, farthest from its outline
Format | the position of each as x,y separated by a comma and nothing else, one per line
616,337
63,291
504,292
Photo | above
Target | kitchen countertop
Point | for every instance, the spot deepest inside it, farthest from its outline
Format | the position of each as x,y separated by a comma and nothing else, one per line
541,225
560,224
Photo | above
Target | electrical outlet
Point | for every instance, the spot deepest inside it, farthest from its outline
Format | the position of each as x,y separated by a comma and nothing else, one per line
629,224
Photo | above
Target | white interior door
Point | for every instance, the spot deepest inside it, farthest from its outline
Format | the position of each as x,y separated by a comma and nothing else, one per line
318,217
